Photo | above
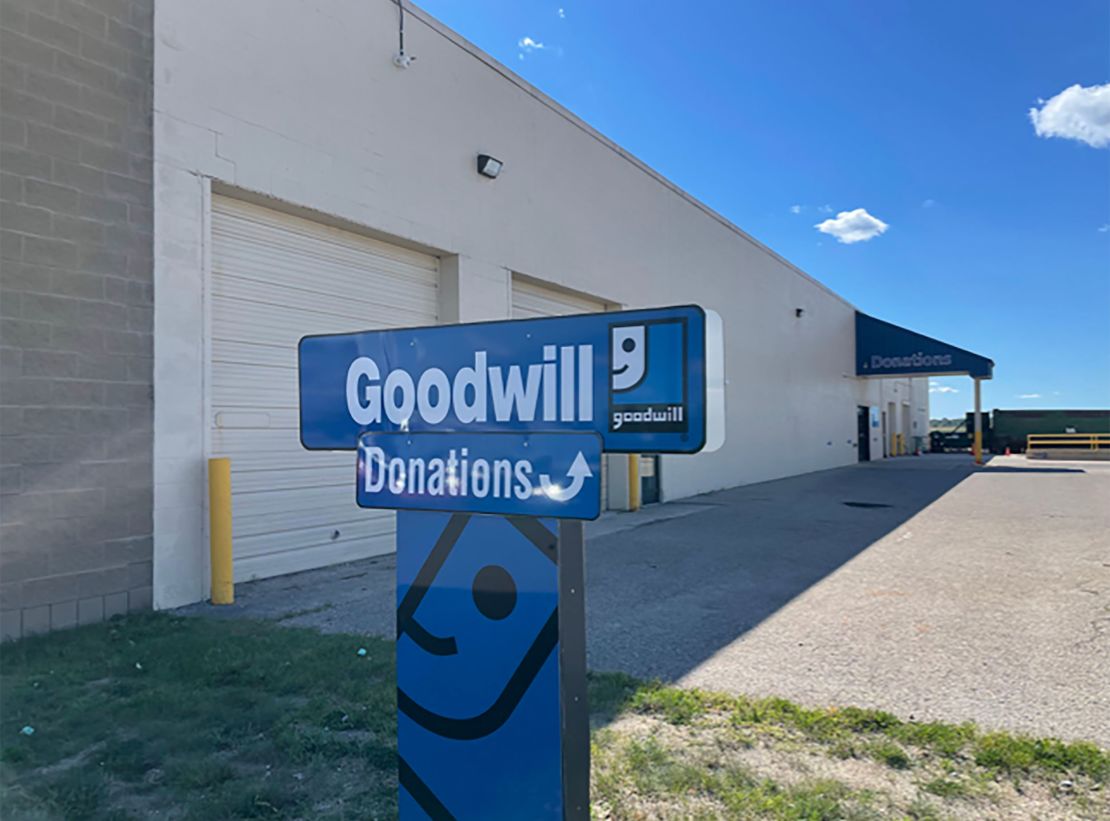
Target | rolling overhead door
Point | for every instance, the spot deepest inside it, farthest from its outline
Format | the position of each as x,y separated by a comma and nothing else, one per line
276,278
531,300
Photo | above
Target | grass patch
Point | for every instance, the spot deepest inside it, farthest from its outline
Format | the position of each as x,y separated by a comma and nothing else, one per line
1016,755
842,729
687,788
229,719
188,718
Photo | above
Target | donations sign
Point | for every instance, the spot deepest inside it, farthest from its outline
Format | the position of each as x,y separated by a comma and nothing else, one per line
511,474
883,349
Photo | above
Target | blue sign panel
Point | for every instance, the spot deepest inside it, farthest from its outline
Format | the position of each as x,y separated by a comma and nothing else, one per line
478,728
883,349
636,377
513,474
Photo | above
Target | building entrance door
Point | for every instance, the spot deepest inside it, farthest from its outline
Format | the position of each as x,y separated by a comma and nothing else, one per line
649,478
863,432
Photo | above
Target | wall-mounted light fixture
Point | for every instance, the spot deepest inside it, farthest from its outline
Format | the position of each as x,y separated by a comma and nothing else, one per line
799,312
489,166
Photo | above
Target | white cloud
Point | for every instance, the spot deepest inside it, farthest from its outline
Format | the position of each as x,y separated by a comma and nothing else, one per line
822,209
1029,396
1102,229
936,387
853,226
528,44
928,203
1076,113
562,14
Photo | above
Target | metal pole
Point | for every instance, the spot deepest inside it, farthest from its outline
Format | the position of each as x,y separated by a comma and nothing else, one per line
219,513
977,447
572,671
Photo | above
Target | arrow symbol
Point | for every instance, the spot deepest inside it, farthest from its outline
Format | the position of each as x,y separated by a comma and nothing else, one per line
578,473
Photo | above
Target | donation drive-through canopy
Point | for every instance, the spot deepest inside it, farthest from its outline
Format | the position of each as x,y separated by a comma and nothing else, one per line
884,350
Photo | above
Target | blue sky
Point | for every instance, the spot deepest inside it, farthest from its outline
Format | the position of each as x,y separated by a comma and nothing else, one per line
783,115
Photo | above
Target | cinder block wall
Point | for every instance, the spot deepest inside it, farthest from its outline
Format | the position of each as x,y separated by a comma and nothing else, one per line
76,315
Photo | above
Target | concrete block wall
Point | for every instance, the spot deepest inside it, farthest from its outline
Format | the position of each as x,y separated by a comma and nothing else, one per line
76,311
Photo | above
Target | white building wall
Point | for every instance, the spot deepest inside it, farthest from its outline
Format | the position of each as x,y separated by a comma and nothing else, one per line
300,101
909,397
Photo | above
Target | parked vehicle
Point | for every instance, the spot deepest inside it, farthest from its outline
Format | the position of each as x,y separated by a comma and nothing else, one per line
1008,428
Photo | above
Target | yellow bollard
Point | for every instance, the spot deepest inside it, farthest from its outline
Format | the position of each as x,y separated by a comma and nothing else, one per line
219,513
633,481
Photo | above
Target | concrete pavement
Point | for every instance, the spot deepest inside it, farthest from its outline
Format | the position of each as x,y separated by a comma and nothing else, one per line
918,585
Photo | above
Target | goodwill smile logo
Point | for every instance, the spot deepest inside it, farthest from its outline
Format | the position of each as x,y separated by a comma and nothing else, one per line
647,364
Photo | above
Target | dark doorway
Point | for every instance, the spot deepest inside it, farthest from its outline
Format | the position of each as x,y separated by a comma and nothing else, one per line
863,432
649,478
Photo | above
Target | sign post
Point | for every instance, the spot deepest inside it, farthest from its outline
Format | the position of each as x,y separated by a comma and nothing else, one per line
492,714
487,439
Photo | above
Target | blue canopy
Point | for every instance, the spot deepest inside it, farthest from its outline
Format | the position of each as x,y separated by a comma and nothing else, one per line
883,349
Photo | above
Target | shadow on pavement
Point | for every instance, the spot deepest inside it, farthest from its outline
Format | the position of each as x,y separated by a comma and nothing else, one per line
1035,470
663,598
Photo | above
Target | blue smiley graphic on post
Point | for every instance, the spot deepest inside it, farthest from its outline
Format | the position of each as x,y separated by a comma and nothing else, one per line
453,634
477,635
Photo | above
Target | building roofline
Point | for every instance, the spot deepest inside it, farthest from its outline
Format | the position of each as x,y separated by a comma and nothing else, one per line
461,42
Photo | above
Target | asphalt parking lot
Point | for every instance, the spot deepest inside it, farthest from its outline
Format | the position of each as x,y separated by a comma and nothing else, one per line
919,585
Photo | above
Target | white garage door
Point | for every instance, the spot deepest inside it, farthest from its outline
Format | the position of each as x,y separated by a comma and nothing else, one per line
276,278
532,300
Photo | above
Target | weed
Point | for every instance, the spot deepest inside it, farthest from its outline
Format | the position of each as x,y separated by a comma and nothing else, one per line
889,753
945,788
197,774
654,770
75,794
922,809
1014,755
675,705
944,739
815,801
610,693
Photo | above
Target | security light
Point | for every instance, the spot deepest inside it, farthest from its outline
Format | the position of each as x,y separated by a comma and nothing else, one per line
489,166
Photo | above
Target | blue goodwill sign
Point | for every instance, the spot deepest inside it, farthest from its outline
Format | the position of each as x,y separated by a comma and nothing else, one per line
479,726
512,474
636,377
